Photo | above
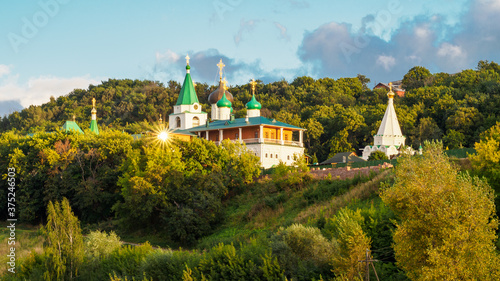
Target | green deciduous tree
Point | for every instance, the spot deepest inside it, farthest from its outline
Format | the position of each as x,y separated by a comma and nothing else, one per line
446,223
377,155
346,229
64,249
416,77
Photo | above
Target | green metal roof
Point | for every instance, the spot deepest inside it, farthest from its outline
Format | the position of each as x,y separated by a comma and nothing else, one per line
241,122
184,132
93,127
71,126
253,104
187,94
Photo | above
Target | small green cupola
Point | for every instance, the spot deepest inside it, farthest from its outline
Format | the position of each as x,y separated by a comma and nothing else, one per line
224,102
253,104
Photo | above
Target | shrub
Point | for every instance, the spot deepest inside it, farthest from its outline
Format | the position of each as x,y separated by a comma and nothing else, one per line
168,265
99,244
124,262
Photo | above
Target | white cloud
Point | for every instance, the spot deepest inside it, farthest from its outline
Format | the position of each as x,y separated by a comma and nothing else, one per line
334,49
169,56
39,89
492,4
450,51
387,62
4,70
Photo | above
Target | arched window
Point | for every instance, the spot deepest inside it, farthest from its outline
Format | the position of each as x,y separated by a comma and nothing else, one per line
178,122
276,155
266,155
271,155
288,157
196,121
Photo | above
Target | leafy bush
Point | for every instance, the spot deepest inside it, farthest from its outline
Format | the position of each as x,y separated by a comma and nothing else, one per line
303,252
124,262
99,244
224,263
168,265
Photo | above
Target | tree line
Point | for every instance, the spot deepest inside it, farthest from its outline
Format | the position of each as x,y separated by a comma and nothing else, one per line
339,115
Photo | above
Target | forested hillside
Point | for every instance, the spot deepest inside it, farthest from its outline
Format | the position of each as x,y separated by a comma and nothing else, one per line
339,115
428,218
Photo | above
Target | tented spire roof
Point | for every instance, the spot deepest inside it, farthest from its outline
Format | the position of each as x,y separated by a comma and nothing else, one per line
390,124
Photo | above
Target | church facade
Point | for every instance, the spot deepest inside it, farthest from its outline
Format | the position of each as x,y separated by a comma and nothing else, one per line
272,141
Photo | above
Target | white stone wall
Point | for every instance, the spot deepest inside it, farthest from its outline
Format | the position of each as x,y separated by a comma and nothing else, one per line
215,112
186,120
284,153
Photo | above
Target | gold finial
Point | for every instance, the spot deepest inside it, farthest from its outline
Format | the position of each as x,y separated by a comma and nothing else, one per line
391,93
93,102
161,120
74,117
224,84
187,59
220,65
253,83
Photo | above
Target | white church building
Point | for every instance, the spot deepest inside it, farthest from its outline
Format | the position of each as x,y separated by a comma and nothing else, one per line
389,137
272,141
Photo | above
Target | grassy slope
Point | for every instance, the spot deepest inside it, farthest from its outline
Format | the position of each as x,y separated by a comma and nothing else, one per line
263,208
28,239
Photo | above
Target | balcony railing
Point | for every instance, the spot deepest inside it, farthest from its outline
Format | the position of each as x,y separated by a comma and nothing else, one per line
271,141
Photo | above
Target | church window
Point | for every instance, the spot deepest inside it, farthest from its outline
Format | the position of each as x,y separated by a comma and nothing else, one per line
266,135
288,157
256,135
286,137
276,155
178,122
196,121
266,155
271,155
272,135
236,136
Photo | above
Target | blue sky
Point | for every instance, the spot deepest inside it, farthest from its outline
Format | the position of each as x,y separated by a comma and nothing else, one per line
49,47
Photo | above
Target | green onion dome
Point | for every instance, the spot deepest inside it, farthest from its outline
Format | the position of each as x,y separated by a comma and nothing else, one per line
253,104
224,102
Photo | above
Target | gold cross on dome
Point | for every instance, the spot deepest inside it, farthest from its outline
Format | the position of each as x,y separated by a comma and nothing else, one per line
93,102
224,83
253,83
390,86
220,65
187,59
